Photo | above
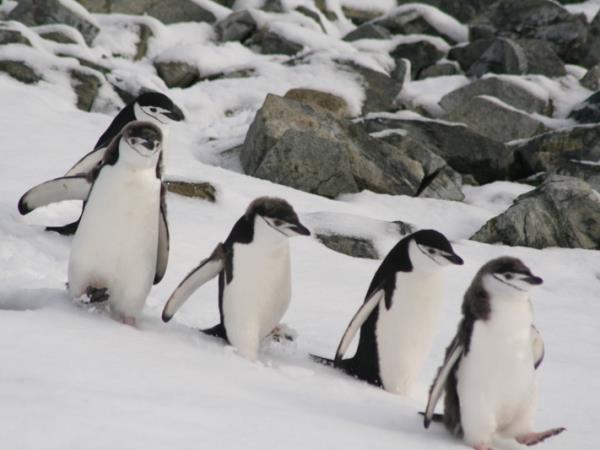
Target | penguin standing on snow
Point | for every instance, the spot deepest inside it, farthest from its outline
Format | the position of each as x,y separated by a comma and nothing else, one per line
398,318
121,246
253,265
489,369
153,107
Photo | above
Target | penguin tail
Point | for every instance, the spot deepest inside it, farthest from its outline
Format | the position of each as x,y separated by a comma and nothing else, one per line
322,360
65,230
216,331
435,418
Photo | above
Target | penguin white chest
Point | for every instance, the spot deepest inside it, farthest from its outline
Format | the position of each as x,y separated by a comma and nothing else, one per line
258,295
115,246
405,332
496,379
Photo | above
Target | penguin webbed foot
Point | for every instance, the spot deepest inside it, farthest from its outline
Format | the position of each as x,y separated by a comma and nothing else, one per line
533,438
282,333
96,295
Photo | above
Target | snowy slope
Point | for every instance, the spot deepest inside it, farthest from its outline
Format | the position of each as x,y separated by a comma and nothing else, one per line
72,379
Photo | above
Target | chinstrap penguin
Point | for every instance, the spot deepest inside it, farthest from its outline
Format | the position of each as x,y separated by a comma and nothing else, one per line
121,246
153,107
253,265
488,373
399,315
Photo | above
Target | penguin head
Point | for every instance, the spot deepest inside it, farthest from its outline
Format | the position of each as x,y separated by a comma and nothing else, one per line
156,107
140,144
507,275
277,215
430,250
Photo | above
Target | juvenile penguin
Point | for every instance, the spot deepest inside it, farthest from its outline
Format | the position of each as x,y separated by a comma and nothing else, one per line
121,246
399,315
253,265
488,373
153,107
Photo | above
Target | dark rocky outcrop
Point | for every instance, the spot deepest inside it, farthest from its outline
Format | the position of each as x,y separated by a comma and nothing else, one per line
349,245
203,191
421,54
20,71
238,26
588,111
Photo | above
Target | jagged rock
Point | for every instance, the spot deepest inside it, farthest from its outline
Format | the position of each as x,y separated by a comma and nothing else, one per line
203,191
58,36
421,54
540,19
549,151
440,70
238,26
360,16
496,120
541,58
502,56
86,86
271,43
467,54
588,171
167,11
176,73
401,70
444,184
319,99
44,12
380,89
465,151
313,15
591,79
479,31
462,10
329,14
20,71
588,111
312,150
561,212
10,36
592,50
141,47
368,31
349,245
508,92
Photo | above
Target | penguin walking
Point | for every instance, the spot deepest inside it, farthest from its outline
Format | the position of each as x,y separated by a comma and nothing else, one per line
253,265
121,246
152,106
488,373
399,315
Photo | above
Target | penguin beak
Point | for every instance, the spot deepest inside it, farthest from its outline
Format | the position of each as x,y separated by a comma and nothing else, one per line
454,259
532,279
300,229
175,114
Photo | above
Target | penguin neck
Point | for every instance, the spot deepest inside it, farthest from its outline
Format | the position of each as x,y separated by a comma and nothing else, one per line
130,160
511,312
266,235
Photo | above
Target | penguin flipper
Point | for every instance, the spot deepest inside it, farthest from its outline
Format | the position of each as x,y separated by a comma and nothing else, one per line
359,318
87,163
206,270
162,256
538,347
437,388
57,190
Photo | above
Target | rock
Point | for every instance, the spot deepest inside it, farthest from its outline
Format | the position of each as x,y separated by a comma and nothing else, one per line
421,54
45,12
465,151
549,151
328,13
587,171
368,31
238,26
86,85
313,15
496,120
592,50
167,11
467,54
508,92
177,74
312,150
203,191
20,71
141,47
591,79
541,58
562,212
444,184
588,111
58,36
271,43
360,16
380,89
349,245
462,10
540,19
479,31
319,99
10,36
440,70
401,71
502,56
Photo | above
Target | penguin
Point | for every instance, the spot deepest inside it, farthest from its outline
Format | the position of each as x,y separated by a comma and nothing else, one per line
489,370
150,106
399,315
253,266
121,246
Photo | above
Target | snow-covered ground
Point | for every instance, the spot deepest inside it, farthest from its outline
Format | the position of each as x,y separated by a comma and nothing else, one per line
72,379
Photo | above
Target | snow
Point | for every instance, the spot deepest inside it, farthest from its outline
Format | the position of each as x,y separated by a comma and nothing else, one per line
427,93
73,378
590,8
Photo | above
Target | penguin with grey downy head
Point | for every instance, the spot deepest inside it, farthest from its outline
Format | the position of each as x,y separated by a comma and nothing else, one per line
489,370
150,106
253,265
121,246
398,318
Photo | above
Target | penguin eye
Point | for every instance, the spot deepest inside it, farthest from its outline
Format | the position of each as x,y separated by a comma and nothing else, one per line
508,276
278,222
153,109
431,251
